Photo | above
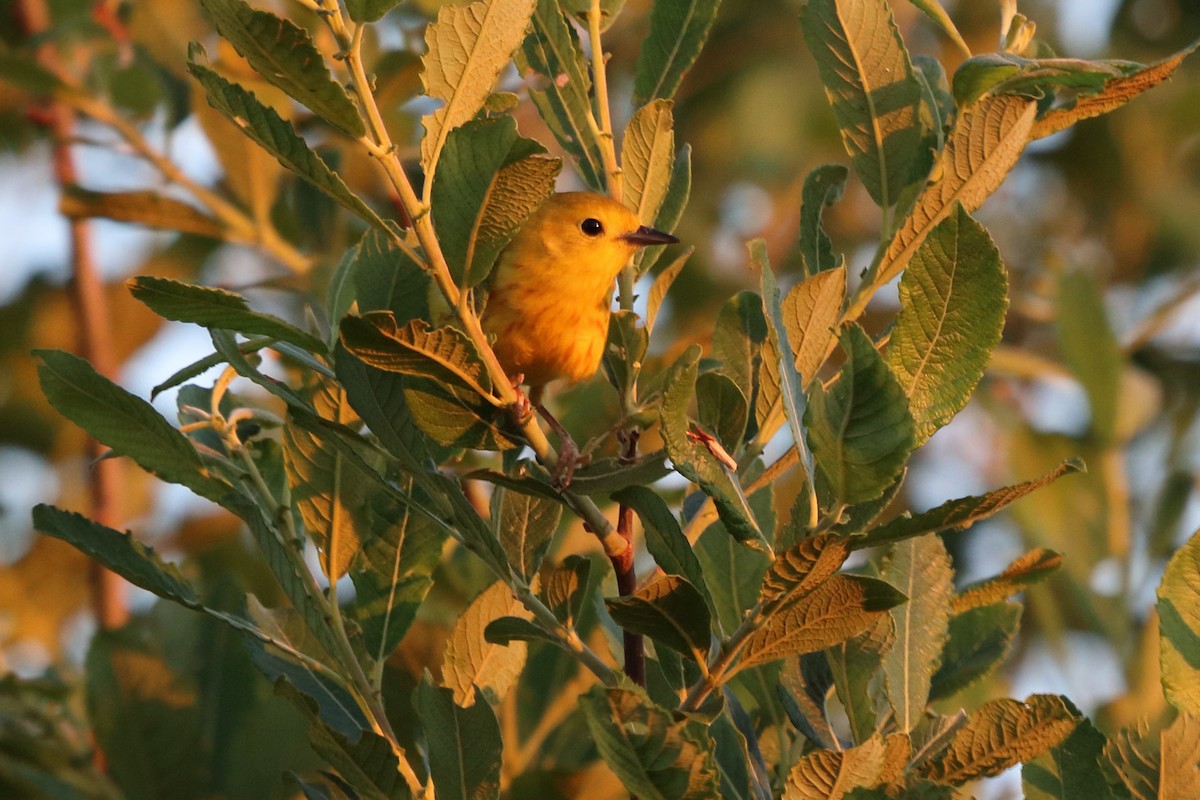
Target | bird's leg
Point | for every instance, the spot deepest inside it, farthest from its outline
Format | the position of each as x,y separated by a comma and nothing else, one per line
522,409
568,451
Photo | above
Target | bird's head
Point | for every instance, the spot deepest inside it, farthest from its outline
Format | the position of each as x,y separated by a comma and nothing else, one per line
587,231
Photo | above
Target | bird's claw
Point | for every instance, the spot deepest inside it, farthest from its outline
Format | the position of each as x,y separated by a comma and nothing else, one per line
522,407
569,459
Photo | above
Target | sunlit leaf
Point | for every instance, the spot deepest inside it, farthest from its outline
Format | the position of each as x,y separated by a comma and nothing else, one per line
938,16
840,607
444,354
875,97
1179,628
471,662
1116,92
647,159
986,142
1034,566
525,525
468,47
1146,765
834,774
566,588
810,311
660,287
1001,734
960,513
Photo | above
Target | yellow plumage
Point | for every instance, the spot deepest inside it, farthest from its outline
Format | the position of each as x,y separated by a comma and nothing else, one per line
552,286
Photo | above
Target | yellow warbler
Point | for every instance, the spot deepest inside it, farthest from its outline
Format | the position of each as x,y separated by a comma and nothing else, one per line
552,287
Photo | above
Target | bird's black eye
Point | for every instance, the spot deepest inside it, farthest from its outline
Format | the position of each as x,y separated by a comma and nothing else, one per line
592,226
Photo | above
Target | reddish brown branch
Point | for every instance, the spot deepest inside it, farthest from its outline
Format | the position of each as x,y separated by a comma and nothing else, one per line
635,653
91,309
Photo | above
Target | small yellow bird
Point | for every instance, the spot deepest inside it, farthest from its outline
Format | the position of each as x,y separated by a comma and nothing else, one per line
552,287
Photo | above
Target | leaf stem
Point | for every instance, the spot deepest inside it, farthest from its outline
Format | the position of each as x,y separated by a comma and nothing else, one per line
566,634
608,149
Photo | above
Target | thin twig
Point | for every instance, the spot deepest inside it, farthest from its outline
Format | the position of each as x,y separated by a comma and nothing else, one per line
95,336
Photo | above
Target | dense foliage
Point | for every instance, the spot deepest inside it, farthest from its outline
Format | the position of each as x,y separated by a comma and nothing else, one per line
806,631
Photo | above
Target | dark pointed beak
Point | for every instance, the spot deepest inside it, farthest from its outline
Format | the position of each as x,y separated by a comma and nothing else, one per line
644,236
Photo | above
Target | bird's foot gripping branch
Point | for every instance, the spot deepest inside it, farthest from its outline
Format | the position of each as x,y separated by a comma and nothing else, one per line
474,648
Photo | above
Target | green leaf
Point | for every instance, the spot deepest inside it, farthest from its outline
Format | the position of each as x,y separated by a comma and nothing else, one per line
285,55
366,761
647,159
664,539
24,72
566,588
467,48
506,630
655,756
123,422
838,608
369,10
978,640
857,669
1001,734
444,354
722,408
670,212
670,611
985,144
695,462
147,208
563,95
1179,628
952,302
738,336
392,575
118,552
958,514
810,312
147,719
823,187
464,744
920,568
833,774
678,31
1070,770
387,279
732,573
262,124
860,431
490,181
1116,92
455,418
378,397
215,308
525,525
870,83
1090,348
471,664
